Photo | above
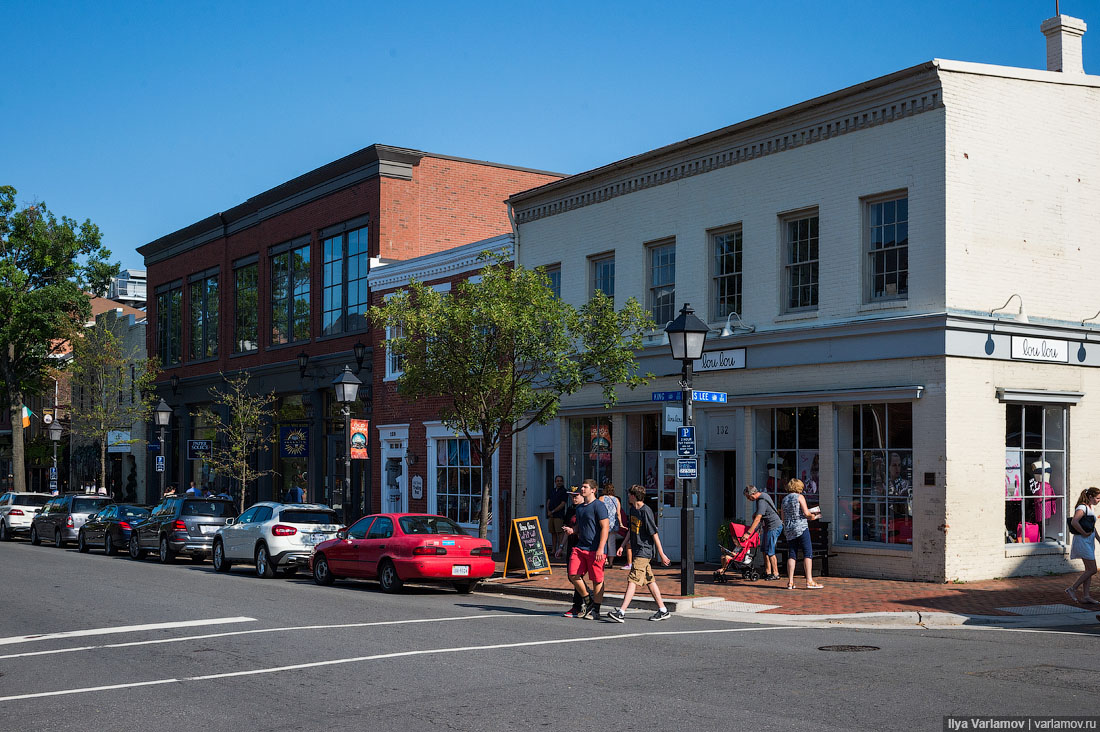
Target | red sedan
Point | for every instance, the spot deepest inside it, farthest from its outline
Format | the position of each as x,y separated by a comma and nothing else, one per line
398,547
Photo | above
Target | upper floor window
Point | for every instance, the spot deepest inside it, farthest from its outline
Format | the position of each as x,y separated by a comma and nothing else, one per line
346,261
290,296
395,364
603,274
661,294
204,317
726,246
170,324
553,273
800,245
246,299
888,247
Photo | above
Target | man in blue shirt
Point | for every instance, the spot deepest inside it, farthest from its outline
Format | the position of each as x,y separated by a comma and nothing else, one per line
588,557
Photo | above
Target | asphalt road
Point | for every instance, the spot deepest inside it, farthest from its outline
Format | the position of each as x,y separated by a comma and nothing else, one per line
289,655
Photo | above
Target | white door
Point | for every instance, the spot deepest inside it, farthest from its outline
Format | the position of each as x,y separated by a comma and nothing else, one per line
394,476
668,504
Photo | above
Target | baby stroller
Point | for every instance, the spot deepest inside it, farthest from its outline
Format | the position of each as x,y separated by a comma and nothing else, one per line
742,557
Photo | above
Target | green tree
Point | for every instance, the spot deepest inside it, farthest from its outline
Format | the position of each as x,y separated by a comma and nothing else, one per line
112,385
47,268
241,435
504,350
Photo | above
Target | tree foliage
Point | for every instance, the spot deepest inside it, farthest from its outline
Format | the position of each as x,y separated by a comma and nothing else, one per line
241,423
112,385
47,267
504,350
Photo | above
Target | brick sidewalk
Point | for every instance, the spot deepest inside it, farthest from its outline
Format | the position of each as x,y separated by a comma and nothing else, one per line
841,595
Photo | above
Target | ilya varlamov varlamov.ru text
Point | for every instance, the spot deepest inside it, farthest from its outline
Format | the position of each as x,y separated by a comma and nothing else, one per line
1024,723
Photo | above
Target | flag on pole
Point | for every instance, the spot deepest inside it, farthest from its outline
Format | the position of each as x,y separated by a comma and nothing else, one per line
26,416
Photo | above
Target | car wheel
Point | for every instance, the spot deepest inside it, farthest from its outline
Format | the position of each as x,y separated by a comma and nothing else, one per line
5,535
136,552
57,540
108,545
81,544
221,564
264,566
465,588
166,554
35,539
387,577
322,575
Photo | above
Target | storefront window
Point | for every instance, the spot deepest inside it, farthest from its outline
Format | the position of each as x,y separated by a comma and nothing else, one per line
459,478
787,442
645,465
875,462
202,472
292,451
589,450
1035,473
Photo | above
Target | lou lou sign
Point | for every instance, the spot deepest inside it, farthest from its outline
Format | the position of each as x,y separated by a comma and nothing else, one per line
733,358
1039,349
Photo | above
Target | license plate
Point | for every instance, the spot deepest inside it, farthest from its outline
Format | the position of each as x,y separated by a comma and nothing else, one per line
207,529
460,570
311,539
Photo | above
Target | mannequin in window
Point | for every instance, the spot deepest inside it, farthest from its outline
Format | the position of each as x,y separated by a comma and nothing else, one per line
1043,502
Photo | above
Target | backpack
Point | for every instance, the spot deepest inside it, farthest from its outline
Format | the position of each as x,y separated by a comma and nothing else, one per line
612,513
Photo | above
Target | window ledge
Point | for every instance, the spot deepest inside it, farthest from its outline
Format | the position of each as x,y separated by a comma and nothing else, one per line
878,550
876,305
1042,547
238,354
797,315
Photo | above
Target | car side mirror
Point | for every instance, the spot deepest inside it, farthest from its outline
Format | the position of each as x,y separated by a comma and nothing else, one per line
342,533
230,521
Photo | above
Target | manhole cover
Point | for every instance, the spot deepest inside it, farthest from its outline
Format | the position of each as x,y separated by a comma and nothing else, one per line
848,649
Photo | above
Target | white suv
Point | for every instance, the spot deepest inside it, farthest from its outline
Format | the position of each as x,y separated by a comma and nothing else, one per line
274,536
17,510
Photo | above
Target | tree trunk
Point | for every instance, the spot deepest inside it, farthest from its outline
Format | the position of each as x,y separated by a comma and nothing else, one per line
18,460
103,463
486,494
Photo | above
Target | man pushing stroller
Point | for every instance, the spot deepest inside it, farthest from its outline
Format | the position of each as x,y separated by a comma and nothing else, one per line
765,512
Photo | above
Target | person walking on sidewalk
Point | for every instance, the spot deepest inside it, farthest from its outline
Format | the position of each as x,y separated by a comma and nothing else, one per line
587,556
644,541
796,529
555,513
569,541
773,526
611,503
1083,524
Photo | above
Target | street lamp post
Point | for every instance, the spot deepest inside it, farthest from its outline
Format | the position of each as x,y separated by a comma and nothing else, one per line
55,435
162,414
686,336
347,389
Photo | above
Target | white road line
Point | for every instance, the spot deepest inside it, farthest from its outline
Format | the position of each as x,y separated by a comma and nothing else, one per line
180,639
381,656
121,629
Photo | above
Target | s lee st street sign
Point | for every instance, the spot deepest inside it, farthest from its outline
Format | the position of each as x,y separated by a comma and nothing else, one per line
698,396
687,468
685,441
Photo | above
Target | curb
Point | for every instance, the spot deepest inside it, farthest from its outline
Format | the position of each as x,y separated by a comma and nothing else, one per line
549,593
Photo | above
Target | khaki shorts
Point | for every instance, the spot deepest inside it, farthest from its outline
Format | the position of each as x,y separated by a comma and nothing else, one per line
555,526
641,573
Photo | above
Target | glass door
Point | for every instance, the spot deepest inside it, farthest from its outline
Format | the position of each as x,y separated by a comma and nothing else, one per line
668,504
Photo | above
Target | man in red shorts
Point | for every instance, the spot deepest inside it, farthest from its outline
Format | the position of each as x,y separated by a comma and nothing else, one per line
588,557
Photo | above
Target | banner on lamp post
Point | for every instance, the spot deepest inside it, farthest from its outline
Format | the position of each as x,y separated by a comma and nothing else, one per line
359,430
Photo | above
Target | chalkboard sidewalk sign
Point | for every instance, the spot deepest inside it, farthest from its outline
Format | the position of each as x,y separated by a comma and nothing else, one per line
529,553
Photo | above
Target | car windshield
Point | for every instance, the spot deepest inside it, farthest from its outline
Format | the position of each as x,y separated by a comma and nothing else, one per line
30,500
132,512
88,505
298,516
429,525
209,508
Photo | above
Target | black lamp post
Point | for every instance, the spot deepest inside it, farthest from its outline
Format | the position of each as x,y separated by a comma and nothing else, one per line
347,389
55,435
686,336
360,351
162,415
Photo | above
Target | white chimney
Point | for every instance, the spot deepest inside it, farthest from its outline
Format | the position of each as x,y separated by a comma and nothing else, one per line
1064,43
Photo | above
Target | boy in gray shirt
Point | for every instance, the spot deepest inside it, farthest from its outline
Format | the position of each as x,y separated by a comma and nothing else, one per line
645,543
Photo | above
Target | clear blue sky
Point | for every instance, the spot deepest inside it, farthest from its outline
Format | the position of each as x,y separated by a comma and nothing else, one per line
145,117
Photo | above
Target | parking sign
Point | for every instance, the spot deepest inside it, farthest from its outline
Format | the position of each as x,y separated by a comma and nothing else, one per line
160,463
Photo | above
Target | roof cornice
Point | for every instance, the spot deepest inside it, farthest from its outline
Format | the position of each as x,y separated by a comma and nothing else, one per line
449,262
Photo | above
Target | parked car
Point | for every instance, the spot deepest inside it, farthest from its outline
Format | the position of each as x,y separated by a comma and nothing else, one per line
181,525
399,547
62,517
110,528
17,510
274,537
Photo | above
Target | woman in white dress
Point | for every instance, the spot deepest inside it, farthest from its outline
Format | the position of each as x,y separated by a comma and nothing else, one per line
1084,545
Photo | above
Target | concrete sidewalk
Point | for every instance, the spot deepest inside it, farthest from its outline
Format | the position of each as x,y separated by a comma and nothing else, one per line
1030,601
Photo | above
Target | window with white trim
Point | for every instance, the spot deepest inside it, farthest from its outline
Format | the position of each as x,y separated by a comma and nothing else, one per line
726,249
661,293
603,274
800,262
459,477
1035,473
395,364
888,248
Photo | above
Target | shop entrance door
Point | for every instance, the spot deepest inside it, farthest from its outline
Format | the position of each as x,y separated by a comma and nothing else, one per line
668,504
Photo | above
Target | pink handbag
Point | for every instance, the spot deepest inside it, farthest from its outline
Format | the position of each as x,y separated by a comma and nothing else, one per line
1027,533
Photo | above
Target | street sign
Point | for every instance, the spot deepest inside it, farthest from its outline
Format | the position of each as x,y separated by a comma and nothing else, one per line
53,485
709,396
687,468
53,473
667,396
685,441
160,463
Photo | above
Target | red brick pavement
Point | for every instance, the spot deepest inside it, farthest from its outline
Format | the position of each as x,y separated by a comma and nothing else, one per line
842,595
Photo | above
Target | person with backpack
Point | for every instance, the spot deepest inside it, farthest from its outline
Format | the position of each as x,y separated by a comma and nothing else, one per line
1082,524
614,510
773,526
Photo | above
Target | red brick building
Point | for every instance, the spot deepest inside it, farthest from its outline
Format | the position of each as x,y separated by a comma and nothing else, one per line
423,466
277,285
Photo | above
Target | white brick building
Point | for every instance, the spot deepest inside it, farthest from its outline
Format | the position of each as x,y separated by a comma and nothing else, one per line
867,241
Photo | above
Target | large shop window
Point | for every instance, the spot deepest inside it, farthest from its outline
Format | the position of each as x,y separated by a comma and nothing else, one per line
589,450
170,324
1035,473
650,460
459,477
290,296
345,282
791,437
204,317
246,310
875,464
